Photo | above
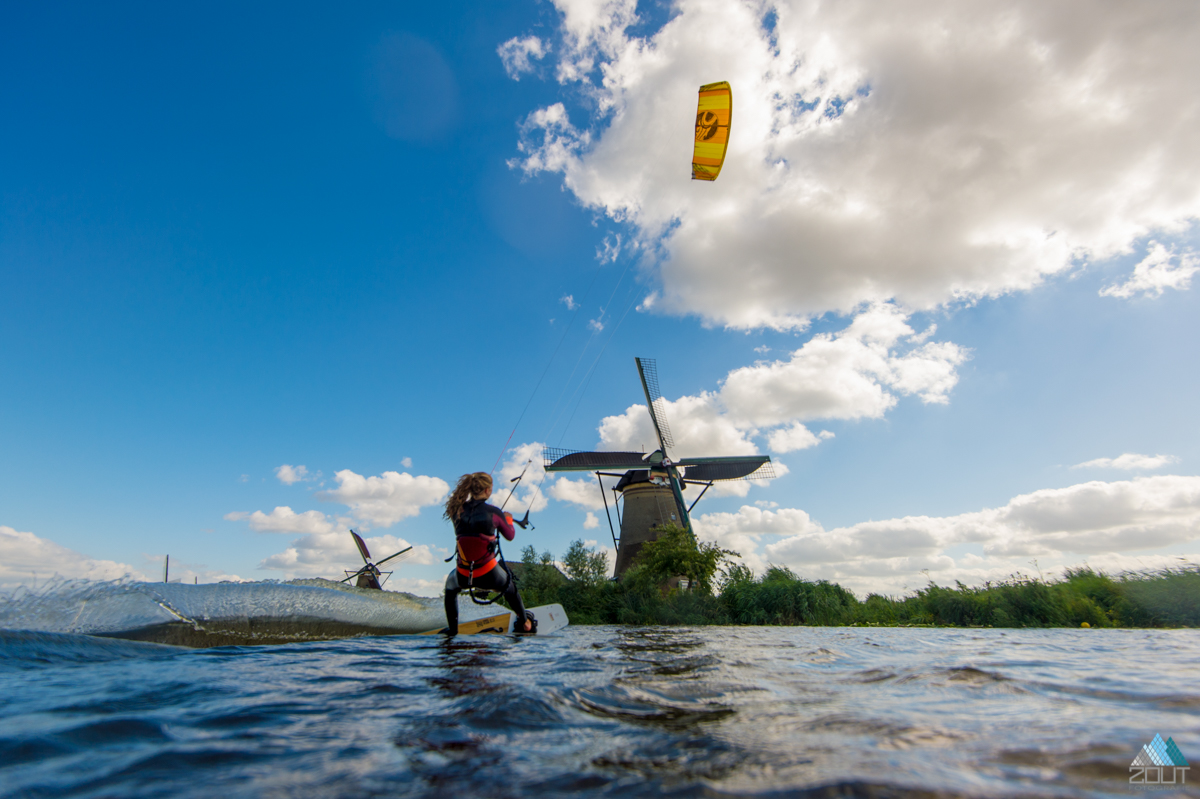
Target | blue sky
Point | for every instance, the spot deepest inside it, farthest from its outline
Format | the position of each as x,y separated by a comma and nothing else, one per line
343,239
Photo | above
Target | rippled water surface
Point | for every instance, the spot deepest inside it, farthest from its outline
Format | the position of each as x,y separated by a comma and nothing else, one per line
600,711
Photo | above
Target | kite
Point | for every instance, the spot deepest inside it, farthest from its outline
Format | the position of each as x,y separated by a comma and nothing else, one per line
713,115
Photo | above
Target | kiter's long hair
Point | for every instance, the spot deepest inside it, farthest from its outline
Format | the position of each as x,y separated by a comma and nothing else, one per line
476,484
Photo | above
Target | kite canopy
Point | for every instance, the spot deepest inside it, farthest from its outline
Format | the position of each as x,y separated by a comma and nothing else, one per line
713,115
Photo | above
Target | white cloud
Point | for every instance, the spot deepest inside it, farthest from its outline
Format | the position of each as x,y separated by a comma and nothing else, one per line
648,302
569,301
592,30
795,436
590,522
559,143
856,373
596,325
406,463
388,498
527,494
517,52
583,492
327,554
285,520
924,152
1128,461
1058,527
27,559
289,475
845,375
1155,273
610,249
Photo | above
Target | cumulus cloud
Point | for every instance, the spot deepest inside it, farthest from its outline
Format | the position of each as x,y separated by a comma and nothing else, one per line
328,553
1161,269
795,436
285,520
386,499
517,53
1055,526
1128,461
527,494
857,373
583,492
592,30
406,463
324,546
288,475
924,152
590,522
27,559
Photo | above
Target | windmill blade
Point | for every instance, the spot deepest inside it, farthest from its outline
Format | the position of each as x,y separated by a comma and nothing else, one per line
648,372
362,547
565,460
748,467
389,557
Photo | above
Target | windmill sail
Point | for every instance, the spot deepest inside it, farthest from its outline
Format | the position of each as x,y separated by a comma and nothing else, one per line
565,460
648,372
362,547
750,467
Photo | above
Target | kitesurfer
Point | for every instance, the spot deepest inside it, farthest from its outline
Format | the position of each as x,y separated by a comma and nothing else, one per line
478,550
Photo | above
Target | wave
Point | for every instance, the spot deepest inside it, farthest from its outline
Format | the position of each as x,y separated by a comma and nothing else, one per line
222,613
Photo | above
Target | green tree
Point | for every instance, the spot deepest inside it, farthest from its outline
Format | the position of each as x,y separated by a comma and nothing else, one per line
586,566
675,552
537,578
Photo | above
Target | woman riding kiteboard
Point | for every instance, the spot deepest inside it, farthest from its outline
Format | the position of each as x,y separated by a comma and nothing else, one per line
479,565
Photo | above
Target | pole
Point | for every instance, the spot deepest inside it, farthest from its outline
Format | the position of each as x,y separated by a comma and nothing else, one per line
697,499
616,545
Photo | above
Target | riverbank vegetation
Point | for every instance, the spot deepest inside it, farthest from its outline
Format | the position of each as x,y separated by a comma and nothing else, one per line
721,591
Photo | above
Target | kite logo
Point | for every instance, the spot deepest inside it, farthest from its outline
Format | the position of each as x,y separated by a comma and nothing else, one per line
1156,761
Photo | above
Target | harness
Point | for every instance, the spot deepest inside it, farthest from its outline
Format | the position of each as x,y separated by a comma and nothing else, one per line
478,546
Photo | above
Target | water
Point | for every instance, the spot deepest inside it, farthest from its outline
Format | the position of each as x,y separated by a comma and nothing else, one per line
593,710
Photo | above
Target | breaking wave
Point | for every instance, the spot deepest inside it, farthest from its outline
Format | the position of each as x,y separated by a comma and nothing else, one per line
223,613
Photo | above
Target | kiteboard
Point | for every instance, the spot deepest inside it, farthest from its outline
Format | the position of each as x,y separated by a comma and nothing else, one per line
550,618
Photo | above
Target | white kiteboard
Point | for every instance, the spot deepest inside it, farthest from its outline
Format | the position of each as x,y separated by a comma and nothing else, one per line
550,619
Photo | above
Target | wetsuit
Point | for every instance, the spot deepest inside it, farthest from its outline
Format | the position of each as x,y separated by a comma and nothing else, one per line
478,564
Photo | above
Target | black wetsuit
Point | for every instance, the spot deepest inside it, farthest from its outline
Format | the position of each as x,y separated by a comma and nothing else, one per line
478,564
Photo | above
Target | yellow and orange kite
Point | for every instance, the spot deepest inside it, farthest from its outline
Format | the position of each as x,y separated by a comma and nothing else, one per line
713,114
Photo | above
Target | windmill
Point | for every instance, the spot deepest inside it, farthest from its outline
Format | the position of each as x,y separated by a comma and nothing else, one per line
368,575
652,485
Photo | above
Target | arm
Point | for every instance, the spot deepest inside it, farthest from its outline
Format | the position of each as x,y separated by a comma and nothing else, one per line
504,525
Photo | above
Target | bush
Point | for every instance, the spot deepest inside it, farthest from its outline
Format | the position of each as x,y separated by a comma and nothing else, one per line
1167,598
674,553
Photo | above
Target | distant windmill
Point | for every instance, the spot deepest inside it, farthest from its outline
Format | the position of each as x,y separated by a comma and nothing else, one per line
368,575
652,485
